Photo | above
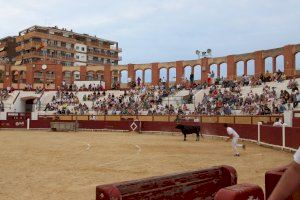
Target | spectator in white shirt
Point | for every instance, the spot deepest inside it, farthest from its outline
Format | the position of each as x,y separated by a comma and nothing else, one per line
234,136
277,123
290,180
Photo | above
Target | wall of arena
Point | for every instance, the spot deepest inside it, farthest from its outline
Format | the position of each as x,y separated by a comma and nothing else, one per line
246,126
227,66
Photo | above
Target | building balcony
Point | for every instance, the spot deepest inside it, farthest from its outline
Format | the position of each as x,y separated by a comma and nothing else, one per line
98,46
102,55
59,48
28,46
95,62
116,49
47,56
37,34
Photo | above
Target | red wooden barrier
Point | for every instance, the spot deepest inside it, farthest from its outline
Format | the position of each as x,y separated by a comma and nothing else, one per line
271,179
292,137
200,184
271,135
240,192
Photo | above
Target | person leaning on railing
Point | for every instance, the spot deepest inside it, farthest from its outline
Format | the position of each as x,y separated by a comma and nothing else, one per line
290,180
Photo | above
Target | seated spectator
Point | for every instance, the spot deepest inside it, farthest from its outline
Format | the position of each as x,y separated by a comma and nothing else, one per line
277,123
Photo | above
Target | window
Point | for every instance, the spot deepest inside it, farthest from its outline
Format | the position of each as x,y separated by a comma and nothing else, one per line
82,49
77,57
77,47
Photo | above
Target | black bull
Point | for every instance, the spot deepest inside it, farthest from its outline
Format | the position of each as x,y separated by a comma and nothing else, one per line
185,129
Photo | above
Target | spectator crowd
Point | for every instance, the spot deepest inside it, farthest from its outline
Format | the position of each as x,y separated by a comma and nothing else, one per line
224,97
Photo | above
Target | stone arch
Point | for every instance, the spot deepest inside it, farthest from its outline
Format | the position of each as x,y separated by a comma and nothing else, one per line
124,76
90,75
163,74
251,67
50,77
214,68
22,76
172,74
76,75
187,72
15,76
240,68
223,70
269,64
148,75
280,63
38,76
139,74
197,72
100,75
297,61
114,77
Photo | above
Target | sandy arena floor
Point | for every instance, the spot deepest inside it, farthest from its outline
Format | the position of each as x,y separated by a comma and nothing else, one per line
47,165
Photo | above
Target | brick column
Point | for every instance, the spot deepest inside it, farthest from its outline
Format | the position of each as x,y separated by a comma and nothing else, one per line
155,74
58,75
245,68
83,73
218,70
274,64
29,74
168,78
179,71
131,72
204,69
259,63
231,71
7,76
289,60
107,77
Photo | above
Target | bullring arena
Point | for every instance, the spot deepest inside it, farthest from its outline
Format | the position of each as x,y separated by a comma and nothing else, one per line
59,165
107,132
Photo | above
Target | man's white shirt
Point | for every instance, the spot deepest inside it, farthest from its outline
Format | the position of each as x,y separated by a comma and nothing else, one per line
277,124
232,132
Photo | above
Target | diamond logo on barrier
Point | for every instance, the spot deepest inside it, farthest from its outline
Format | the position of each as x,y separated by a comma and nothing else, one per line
133,126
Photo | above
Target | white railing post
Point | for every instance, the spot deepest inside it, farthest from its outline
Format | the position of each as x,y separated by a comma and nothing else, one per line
258,132
283,135
28,123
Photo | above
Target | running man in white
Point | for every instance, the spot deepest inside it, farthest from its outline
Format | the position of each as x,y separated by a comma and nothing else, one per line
235,137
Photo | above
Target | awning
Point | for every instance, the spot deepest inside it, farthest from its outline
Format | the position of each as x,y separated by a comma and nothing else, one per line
18,62
2,49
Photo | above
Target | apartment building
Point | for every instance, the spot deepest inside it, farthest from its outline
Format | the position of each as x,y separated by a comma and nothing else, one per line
7,49
64,47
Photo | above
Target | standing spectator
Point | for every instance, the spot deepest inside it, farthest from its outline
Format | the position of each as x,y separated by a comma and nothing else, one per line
192,79
139,81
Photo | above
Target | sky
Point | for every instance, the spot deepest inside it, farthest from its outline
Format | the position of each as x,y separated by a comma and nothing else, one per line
166,30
